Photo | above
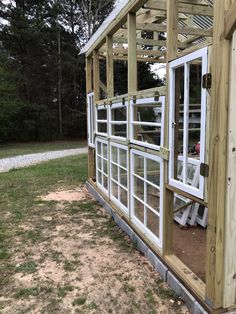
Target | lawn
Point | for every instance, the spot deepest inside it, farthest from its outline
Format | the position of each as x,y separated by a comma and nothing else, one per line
15,149
62,255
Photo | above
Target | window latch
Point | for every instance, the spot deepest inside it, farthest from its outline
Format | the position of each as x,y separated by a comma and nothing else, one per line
206,81
173,124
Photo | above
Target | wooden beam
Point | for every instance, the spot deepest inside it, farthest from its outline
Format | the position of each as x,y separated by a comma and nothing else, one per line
96,76
148,42
103,86
172,29
140,52
217,159
132,56
229,292
144,59
110,67
186,8
89,80
152,27
230,21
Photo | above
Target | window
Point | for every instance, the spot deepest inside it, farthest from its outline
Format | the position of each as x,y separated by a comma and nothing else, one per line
90,112
118,120
147,194
101,120
119,175
147,122
102,165
187,122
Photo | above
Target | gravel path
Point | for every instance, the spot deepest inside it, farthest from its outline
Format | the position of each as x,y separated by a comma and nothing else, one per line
22,161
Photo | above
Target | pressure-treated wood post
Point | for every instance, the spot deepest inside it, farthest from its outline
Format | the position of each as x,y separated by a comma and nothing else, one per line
132,54
172,38
110,67
96,76
229,290
217,159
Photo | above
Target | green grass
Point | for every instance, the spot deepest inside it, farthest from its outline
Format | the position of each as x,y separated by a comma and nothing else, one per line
20,202
11,150
79,301
27,267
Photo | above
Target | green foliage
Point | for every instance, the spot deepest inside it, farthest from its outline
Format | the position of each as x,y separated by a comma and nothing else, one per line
27,267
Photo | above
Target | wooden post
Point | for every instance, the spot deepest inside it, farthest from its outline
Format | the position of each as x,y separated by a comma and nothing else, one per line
110,67
168,197
132,54
229,291
217,159
96,76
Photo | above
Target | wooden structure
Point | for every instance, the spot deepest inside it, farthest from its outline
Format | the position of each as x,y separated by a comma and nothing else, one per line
136,171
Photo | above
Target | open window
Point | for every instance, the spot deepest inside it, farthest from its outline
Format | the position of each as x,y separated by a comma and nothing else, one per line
101,120
91,120
119,175
102,165
118,120
147,194
147,122
187,124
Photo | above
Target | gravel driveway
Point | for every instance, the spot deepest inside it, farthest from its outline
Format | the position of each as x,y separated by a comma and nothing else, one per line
22,161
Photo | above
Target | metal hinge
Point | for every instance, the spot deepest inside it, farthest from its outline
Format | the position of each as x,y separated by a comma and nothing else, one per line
206,81
204,170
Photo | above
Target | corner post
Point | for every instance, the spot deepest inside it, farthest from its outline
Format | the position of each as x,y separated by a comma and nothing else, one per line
132,54
110,67
217,159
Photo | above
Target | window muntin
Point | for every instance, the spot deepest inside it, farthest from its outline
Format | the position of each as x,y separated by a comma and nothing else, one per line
91,120
119,175
102,165
118,120
147,122
187,121
147,194
101,120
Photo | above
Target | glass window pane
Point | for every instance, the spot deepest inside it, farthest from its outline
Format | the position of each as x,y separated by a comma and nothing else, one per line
123,197
99,148
148,134
114,189
105,151
123,177
153,197
105,182
139,210
153,222
119,130
99,178
118,114
102,127
139,165
138,188
114,172
148,112
153,171
105,166
102,114
114,154
99,161
123,157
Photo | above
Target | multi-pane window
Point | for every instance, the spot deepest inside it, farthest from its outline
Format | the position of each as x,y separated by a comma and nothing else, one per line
187,121
147,121
101,120
102,165
146,194
119,175
118,120
90,117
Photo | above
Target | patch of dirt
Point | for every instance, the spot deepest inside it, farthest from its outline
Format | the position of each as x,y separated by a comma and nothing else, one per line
76,195
81,262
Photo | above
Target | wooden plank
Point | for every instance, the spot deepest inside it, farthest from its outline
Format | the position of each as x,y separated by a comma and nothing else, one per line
185,8
217,159
230,234
96,76
132,56
139,59
110,67
152,27
103,86
172,29
143,52
230,21
149,42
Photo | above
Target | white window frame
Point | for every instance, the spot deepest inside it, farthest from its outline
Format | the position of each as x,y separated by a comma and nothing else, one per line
136,221
101,107
143,101
113,198
114,122
91,119
103,159
184,61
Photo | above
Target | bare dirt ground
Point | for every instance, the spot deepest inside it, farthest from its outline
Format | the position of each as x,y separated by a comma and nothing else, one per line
80,262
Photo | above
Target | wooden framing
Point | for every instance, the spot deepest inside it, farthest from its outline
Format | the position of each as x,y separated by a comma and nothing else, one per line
176,19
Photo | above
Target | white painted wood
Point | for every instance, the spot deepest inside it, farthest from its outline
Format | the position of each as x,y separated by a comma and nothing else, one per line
104,160
91,119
